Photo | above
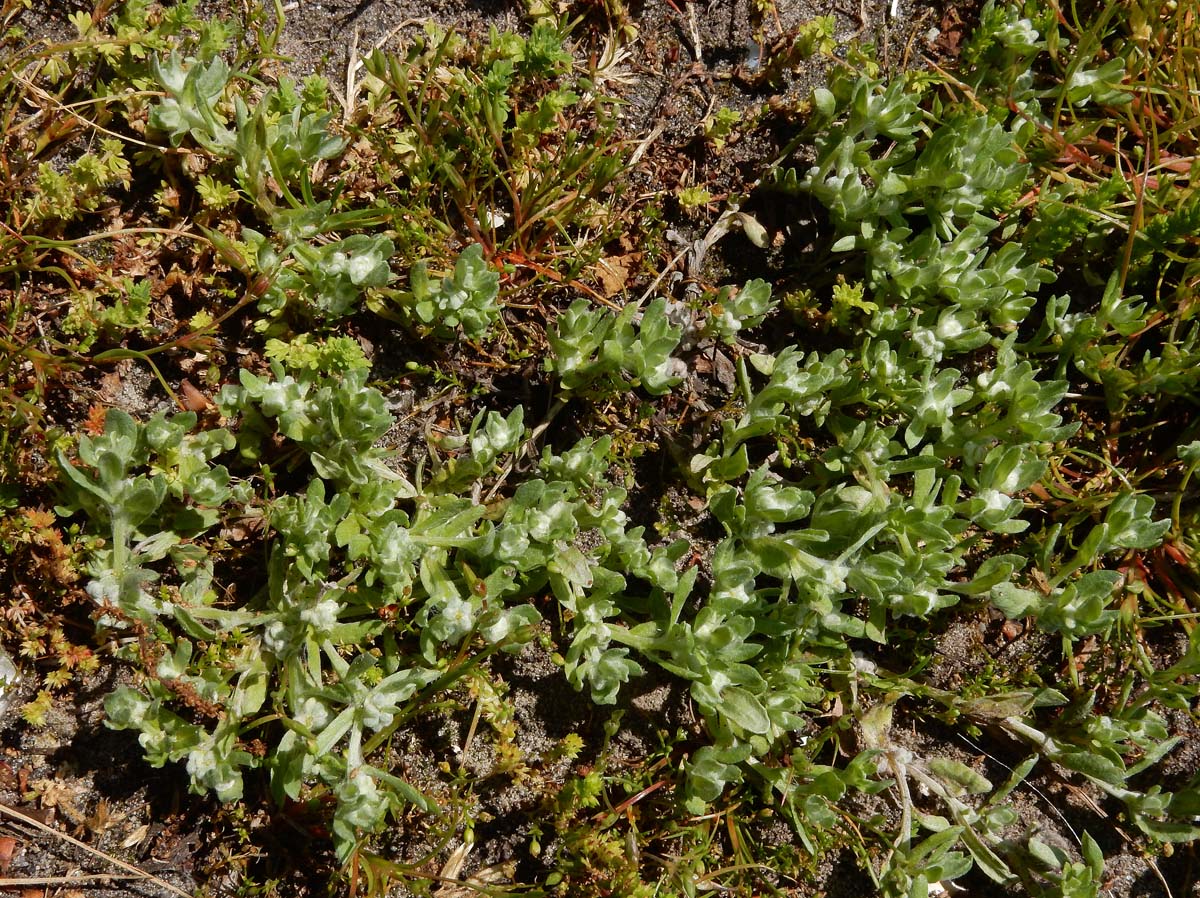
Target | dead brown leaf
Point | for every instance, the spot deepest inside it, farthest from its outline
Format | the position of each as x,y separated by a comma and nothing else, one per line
7,846
193,399
63,796
242,529
110,384
614,272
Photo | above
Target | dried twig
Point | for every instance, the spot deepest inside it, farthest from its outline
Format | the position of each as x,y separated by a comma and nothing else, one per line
351,81
354,63
14,814
694,28
82,879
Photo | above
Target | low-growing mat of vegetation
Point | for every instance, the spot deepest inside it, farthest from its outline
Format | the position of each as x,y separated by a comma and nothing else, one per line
600,449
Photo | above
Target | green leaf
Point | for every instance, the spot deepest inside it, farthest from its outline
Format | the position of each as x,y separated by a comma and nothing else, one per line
1168,830
959,777
466,299
1094,766
992,576
250,690
81,481
1014,602
1093,856
347,529
125,708
744,710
